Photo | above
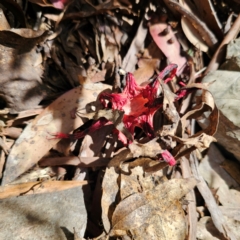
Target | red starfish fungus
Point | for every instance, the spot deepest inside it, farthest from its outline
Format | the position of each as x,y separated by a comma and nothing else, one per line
138,104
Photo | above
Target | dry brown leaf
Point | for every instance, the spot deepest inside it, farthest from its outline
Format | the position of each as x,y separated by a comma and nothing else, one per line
55,118
205,104
193,35
92,148
139,208
134,178
37,187
201,141
12,132
219,55
110,185
103,7
156,229
149,149
130,60
109,196
146,69
25,114
109,50
170,133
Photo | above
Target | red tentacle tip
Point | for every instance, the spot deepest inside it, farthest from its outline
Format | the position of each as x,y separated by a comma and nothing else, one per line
58,135
168,157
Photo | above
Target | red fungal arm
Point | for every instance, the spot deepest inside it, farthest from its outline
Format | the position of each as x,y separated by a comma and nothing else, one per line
169,72
168,157
60,135
77,135
139,104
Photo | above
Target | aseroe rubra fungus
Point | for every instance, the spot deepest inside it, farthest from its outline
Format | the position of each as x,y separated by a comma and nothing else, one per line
138,104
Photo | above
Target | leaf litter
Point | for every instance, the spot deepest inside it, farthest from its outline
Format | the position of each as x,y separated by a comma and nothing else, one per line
113,95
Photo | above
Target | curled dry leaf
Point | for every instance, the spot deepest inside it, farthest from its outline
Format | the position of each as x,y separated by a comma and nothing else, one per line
193,35
55,118
203,31
204,12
